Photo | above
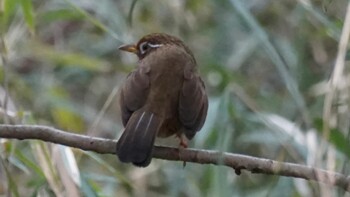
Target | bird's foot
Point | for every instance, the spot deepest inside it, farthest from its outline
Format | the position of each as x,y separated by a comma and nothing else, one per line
183,141
183,144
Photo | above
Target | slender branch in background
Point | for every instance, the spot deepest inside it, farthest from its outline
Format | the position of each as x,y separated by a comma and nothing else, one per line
3,52
131,11
337,74
334,82
102,112
273,54
235,161
93,20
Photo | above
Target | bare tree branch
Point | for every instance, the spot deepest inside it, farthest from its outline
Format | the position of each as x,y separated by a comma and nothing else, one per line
235,161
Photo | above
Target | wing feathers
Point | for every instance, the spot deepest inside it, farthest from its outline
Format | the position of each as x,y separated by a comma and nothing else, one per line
193,105
134,93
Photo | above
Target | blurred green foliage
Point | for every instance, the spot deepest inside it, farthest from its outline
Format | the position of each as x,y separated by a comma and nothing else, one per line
265,64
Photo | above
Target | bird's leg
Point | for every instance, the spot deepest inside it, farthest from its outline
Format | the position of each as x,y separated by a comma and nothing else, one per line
183,141
183,144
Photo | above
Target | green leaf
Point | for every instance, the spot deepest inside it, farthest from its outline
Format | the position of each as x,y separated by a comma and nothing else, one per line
12,185
87,187
113,171
9,8
93,20
28,13
67,119
61,14
336,137
347,55
28,163
46,52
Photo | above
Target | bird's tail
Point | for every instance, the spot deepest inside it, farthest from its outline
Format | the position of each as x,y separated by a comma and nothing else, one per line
136,143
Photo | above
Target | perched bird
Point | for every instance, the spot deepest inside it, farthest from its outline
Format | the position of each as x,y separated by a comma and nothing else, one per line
163,96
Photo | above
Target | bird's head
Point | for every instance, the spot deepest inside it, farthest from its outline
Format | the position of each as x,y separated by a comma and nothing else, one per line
152,42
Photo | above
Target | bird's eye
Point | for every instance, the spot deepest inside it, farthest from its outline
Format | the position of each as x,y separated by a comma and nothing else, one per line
145,46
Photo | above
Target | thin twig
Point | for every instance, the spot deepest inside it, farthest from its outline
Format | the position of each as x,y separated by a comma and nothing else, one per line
334,82
3,52
102,112
236,161
337,75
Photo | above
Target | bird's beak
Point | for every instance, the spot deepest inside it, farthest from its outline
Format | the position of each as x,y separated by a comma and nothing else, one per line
129,48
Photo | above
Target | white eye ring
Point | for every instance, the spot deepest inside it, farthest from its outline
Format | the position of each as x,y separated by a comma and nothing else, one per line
144,47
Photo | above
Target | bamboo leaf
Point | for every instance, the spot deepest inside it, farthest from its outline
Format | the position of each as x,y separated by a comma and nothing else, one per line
28,13
336,137
9,8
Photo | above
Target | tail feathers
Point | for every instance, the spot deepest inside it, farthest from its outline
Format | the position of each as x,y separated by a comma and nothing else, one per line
136,143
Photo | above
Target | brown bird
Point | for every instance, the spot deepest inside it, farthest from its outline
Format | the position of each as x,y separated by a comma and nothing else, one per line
163,96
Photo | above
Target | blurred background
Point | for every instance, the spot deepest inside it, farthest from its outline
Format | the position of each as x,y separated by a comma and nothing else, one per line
265,64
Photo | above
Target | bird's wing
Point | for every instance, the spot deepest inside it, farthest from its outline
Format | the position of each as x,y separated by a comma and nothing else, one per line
193,103
134,92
